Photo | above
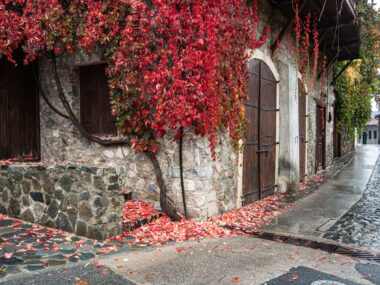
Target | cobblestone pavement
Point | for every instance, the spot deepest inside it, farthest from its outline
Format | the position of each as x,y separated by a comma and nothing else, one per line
27,248
361,224
75,274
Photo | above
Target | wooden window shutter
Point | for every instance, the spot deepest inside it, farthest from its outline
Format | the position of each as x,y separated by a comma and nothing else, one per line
95,106
19,110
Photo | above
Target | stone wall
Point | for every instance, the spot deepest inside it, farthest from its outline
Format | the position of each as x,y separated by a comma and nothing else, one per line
209,185
314,98
348,144
77,199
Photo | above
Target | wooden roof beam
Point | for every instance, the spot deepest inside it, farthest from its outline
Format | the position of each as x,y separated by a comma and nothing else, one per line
345,45
340,72
336,26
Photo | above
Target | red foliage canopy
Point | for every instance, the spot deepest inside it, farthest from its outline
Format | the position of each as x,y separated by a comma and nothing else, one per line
172,64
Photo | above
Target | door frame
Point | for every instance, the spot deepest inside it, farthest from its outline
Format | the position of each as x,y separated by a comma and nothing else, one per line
306,89
260,55
321,105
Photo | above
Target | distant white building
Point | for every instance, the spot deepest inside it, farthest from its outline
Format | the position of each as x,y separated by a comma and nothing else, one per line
370,135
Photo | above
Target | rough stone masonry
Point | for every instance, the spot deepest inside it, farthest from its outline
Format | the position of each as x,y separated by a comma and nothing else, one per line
77,199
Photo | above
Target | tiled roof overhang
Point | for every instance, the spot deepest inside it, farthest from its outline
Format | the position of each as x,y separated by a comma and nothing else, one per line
338,25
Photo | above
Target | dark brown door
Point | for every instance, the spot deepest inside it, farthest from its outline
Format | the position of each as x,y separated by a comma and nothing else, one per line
337,136
320,139
19,112
95,106
302,128
260,148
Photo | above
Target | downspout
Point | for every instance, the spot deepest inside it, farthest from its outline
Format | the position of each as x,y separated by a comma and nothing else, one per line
181,174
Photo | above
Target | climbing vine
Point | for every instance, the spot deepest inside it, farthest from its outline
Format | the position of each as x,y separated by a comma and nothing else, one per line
360,82
304,49
171,64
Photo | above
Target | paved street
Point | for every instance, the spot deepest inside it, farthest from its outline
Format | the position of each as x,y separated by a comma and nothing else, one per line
343,209
82,274
361,224
243,259
316,213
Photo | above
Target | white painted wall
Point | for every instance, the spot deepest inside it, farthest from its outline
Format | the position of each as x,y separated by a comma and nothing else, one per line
288,128
372,129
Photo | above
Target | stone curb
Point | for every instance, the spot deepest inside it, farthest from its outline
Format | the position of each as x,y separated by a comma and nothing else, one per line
372,254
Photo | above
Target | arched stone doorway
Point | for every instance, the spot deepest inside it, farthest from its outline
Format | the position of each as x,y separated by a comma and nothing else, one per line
259,163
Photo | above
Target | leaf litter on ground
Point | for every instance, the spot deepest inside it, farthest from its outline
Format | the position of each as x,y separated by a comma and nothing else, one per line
162,230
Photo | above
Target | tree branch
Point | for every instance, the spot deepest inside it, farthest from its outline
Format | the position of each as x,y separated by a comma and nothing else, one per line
71,114
45,97
168,209
165,206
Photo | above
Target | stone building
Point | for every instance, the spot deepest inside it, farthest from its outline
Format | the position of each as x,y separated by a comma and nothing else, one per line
370,135
78,185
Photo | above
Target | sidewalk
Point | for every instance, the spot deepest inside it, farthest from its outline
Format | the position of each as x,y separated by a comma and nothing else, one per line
316,213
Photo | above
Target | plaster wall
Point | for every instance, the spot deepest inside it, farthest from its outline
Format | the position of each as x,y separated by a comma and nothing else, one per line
372,129
288,129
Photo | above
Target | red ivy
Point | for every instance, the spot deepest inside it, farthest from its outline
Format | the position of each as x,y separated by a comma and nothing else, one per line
306,37
172,64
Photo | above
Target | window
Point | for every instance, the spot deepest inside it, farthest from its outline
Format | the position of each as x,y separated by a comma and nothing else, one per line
375,135
95,106
369,135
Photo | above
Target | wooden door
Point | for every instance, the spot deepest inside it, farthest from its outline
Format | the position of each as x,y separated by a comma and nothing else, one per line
320,139
267,131
364,137
19,119
302,128
260,148
251,187
337,137
4,107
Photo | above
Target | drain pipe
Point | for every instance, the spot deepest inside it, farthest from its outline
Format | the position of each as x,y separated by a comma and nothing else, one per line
181,173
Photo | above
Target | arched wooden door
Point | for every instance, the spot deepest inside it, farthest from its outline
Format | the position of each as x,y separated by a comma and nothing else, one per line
259,161
302,128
